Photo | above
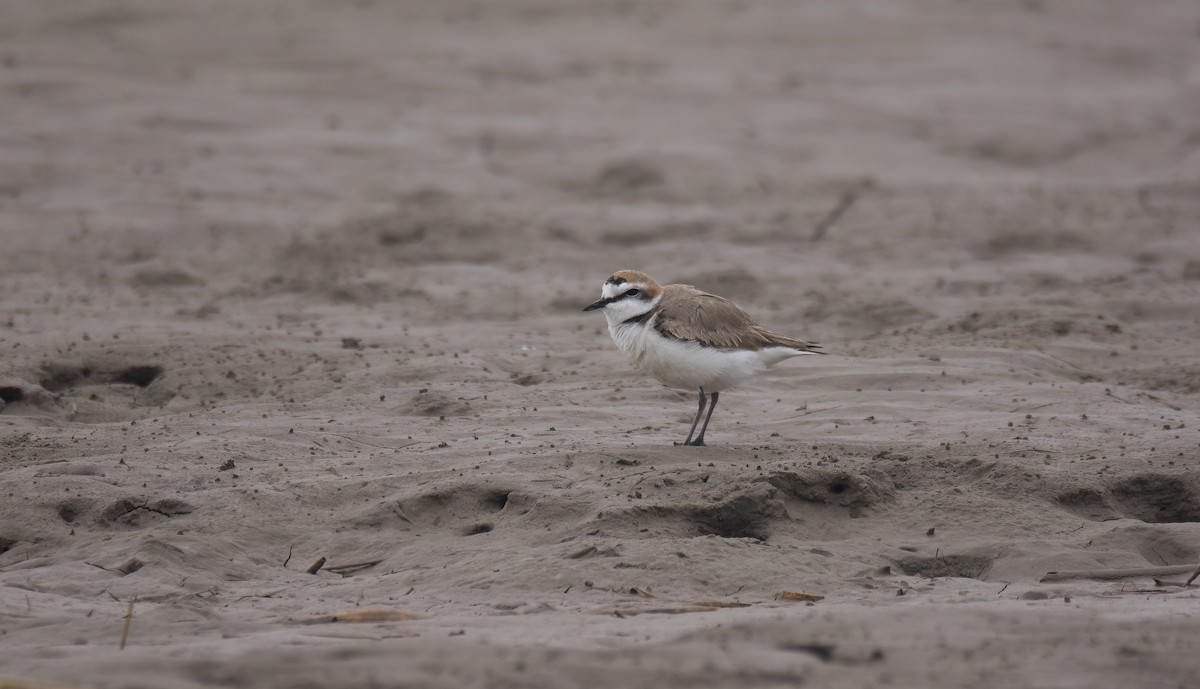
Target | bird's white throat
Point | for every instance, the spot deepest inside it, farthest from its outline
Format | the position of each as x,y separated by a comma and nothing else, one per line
622,310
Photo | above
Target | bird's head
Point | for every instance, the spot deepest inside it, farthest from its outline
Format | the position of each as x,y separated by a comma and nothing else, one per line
626,294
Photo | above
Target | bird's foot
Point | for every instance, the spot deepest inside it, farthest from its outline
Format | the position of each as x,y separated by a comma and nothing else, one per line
698,442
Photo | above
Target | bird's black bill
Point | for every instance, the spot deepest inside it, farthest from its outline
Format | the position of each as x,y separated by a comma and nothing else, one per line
598,304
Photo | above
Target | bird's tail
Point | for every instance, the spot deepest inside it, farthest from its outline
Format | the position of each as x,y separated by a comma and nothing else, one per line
803,346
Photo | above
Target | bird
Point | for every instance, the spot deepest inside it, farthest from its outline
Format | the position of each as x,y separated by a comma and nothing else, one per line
689,339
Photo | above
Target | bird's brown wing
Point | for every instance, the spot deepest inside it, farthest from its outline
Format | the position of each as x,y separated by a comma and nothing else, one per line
686,313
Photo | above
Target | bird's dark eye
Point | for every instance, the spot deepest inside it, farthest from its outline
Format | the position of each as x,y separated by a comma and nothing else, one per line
633,292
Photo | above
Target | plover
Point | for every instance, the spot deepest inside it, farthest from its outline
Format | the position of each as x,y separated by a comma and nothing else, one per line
690,339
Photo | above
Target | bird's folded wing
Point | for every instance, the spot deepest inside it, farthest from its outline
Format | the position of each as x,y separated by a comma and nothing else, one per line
686,313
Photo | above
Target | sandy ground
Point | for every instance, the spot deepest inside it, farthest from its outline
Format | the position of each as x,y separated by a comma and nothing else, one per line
282,281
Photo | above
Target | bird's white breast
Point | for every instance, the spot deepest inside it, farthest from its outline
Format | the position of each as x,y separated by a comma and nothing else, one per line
689,365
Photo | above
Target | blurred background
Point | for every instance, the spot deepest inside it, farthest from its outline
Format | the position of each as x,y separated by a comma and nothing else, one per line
860,173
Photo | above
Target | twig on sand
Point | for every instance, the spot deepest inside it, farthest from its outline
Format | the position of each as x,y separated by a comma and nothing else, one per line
933,569
364,616
812,411
719,603
822,227
289,557
1193,577
1158,591
125,627
1058,359
799,595
1168,405
1119,573
632,612
316,566
255,595
347,570
106,569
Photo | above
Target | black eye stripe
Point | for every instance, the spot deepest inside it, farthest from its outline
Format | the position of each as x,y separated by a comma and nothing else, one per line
634,293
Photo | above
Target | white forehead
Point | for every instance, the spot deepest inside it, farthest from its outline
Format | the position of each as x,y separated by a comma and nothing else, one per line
610,290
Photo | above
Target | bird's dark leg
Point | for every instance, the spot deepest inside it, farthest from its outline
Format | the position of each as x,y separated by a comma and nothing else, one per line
699,413
700,438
